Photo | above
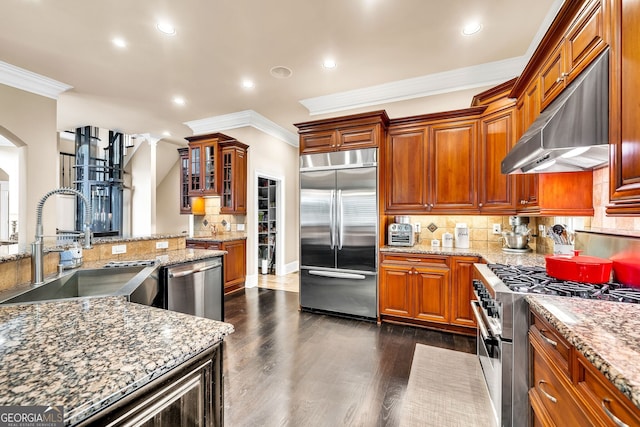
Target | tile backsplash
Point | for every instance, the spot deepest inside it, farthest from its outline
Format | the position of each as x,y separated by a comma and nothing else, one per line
203,225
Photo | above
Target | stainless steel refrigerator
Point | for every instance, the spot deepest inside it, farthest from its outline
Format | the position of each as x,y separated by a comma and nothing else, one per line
339,232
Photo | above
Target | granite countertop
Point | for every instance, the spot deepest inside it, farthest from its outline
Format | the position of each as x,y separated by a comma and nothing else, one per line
168,258
85,354
489,255
606,333
221,237
124,239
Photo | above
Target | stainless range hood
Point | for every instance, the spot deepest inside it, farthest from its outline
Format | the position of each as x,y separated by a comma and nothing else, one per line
572,133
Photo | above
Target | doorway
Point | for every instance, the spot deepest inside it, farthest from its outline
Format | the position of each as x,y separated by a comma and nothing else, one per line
268,220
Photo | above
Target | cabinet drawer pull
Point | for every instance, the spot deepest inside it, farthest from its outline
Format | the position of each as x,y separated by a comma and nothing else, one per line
413,259
613,418
547,395
548,340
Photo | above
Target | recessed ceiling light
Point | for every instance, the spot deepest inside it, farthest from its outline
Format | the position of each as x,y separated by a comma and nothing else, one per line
166,133
329,64
281,72
178,100
471,28
166,28
119,42
248,84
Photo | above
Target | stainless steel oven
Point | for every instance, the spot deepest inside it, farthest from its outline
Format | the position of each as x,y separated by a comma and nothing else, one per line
501,312
501,315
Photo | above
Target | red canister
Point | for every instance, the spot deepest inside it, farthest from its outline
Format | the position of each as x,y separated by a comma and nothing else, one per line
579,268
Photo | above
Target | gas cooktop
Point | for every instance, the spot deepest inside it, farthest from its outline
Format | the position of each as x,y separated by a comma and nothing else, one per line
535,280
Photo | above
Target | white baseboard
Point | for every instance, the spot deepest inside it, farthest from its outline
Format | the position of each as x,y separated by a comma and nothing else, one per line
251,281
291,267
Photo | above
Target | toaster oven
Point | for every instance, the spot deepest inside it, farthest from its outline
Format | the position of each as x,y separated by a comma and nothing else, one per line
400,235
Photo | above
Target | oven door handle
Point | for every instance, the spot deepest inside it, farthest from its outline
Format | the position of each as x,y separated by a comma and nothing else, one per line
484,332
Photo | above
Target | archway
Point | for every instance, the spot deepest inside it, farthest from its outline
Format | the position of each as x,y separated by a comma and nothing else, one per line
12,184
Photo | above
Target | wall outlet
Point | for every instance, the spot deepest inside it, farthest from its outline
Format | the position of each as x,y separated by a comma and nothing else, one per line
162,245
118,249
542,229
497,228
240,227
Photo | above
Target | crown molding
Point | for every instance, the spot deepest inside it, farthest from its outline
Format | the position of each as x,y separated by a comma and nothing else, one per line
241,119
418,87
19,78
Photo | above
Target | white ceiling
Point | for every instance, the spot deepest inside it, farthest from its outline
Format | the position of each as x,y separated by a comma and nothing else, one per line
398,55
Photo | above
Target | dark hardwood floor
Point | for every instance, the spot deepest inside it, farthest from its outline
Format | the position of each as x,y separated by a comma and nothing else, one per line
284,367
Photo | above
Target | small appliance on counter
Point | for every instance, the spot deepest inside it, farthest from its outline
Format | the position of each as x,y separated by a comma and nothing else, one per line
461,233
401,234
517,240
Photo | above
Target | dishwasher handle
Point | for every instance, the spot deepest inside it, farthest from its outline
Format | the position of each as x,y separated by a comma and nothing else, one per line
179,274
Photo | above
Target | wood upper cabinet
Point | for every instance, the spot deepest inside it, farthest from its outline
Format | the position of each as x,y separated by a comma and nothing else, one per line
497,192
405,155
624,110
185,200
431,163
218,166
203,171
584,40
527,184
343,133
233,180
453,166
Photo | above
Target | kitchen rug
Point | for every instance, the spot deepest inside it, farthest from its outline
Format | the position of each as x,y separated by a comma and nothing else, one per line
446,389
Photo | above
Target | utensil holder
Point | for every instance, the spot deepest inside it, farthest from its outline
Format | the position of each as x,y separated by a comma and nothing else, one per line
559,249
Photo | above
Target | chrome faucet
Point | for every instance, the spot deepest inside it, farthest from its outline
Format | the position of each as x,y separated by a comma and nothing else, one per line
37,250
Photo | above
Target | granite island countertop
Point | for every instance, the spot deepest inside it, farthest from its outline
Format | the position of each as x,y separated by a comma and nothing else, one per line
86,354
489,255
606,333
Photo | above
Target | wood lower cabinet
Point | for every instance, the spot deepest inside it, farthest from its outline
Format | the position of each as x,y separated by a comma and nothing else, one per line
624,110
189,395
235,261
462,291
566,389
427,290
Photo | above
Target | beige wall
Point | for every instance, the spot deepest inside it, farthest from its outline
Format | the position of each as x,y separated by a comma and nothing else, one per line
32,120
271,157
168,218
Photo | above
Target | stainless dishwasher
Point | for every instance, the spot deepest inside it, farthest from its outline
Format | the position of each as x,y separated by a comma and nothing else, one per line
196,288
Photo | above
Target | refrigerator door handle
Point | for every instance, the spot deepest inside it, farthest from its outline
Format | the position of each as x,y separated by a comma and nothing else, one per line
340,221
336,274
332,220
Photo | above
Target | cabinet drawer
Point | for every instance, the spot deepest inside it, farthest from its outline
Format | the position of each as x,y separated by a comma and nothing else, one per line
554,390
605,400
558,349
416,259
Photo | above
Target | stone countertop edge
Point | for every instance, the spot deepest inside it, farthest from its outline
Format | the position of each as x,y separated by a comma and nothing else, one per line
606,333
88,353
222,237
491,256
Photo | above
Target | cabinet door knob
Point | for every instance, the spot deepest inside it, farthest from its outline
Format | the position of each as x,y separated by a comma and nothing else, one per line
564,75
559,80
480,204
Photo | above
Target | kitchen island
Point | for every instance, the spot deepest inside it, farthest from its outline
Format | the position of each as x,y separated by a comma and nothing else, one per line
101,357
602,339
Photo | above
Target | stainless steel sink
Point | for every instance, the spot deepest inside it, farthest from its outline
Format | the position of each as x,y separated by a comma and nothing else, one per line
87,283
